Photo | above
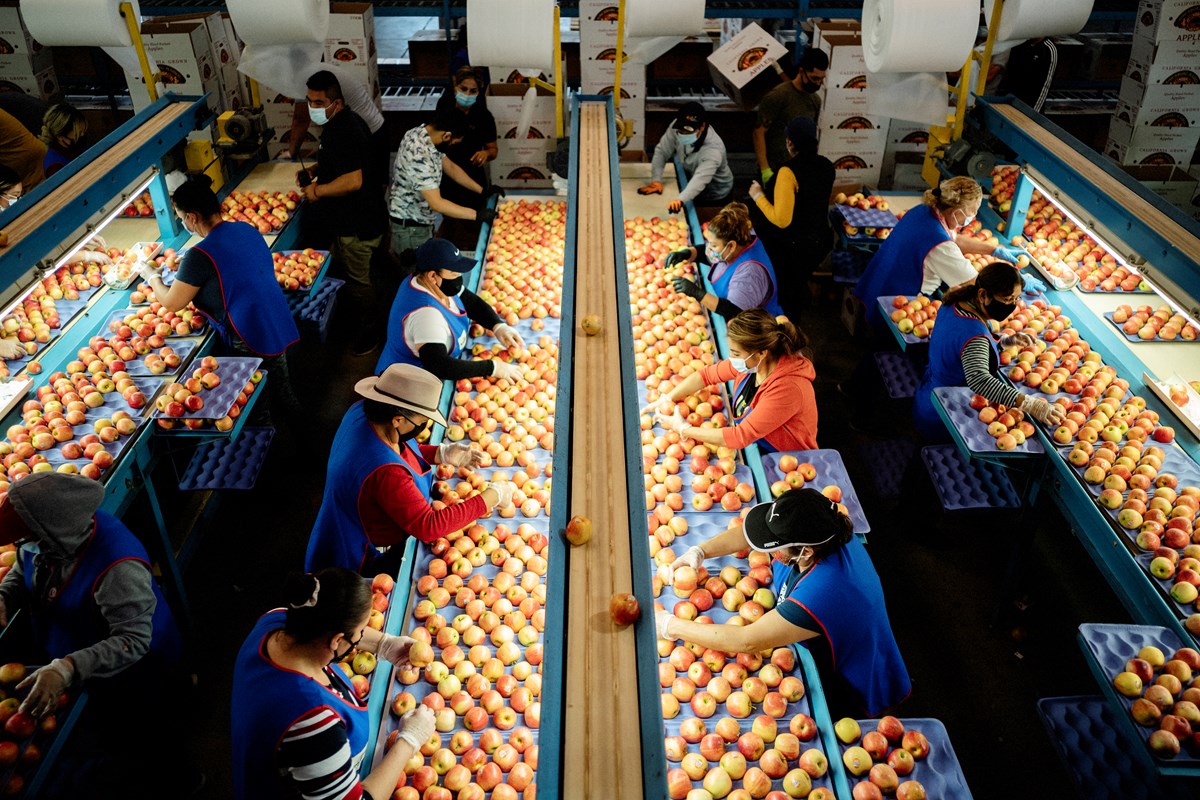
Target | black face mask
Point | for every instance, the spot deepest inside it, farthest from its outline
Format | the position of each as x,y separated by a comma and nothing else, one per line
402,437
809,86
452,286
998,310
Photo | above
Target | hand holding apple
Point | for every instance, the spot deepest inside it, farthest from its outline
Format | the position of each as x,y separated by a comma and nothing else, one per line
692,557
394,649
417,726
45,685
459,454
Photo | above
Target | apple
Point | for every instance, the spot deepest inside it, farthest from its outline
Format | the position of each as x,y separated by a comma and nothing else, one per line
591,325
21,725
733,762
847,730
814,762
865,790
1164,744
579,531
910,790
901,761
797,783
623,608
12,673
857,761
916,744
891,728
803,727
751,746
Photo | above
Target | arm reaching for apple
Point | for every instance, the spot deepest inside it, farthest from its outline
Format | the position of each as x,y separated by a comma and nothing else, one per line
1016,340
506,371
692,557
768,632
393,649
1043,410
415,729
508,336
11,348
459,454
45,685
504,491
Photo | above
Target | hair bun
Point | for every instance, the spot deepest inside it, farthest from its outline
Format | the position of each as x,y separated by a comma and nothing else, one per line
201,179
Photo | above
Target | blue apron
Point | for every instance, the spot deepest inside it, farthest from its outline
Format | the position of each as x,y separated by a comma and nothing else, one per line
72,622
899,265
952,329
842,593
409,299
267,699
256,311
753,256
339,538
53,162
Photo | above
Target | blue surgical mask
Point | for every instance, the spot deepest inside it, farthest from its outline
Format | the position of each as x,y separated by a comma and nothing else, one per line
738,364
465,100
714,256
317,115
688,139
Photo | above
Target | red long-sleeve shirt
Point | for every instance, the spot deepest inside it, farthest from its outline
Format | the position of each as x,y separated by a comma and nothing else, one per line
783,411
392,507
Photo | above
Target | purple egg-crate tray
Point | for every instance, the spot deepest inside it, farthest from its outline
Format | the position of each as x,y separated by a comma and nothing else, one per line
866,218
1107,648
182,347
113,402
1108,315
939,772
1174,462
886,308
118,315
1182,610
955,401
67,311
830,470
234,372
964,484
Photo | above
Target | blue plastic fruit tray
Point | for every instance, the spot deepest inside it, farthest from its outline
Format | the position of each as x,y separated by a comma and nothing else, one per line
886,308
1117,291
228,463
963,484
1106,648
1182,610
939,772
866,218
182,347
118,315
898,374
113,402
955,403
67,311
234,372
1086,734
741,472
1108,315
831,470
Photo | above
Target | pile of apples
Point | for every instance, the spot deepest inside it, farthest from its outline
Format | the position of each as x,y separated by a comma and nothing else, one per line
916,316
297,269
178,399
156,321
864,202
1004,183
33,321
359,665
1164,695
23,737
1149,324
1113,420
140,206
524,262
1007,426
1066,364
883,757
115,353
267,211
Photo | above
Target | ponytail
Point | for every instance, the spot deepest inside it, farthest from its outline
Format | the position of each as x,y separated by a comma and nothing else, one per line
325,603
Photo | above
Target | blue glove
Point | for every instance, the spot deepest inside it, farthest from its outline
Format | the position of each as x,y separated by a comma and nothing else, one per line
1033,285
1008,254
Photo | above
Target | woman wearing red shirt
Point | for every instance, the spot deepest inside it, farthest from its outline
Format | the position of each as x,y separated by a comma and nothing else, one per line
773,402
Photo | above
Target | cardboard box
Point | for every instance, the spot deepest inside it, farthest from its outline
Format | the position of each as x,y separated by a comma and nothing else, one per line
1187,115
857,155
225,56
834,27
1170,183
907,137
1183,72
351,36
43,84
20,53
505,101
522,165
183,51
848,109
1168,20
1151,146
1160,100
846,59
601,75
597,14
742,67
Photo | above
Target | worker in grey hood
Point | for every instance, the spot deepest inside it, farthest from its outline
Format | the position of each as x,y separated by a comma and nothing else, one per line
85,580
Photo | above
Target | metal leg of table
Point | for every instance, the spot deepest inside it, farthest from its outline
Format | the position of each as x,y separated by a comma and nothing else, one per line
169,565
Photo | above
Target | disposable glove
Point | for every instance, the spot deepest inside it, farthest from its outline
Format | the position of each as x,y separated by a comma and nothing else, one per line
1043,411
1008,254
459,454
692,557
662,624
394,649
45,685
1016,340
417,726
511,372
680,256
690,288
507,335
653,187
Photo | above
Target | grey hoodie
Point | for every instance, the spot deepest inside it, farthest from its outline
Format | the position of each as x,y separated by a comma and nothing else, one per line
58,509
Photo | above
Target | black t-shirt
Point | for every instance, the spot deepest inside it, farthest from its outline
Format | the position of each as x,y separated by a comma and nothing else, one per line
346,147
197,269
481,131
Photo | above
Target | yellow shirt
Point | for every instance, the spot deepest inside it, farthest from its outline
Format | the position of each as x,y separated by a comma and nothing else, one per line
779,214
21,151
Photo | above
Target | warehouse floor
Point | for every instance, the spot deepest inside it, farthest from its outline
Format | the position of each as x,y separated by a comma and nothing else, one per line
941,577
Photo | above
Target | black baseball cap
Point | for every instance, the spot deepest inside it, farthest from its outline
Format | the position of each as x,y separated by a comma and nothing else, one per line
442,254
690,118
799,518
801,130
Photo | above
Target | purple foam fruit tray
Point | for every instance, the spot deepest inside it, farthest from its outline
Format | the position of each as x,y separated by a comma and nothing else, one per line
830,470
182,347
866,218
955,402
1133,337
939,772
886,308
234,372
119,315
113,402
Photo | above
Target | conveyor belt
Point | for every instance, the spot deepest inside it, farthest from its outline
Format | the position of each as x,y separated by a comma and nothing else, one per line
602,734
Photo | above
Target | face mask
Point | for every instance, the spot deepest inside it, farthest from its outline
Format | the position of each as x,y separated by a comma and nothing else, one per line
402,437
967,221
998,310
740,364
465,100
809,86
452,286
713,255
183,222
688,139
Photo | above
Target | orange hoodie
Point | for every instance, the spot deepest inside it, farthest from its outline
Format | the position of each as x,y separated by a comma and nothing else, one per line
783,410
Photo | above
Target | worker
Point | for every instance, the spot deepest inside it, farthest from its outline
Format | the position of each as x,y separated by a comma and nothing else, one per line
792,215
962,351
230,277
740,270
431,314
359,100
829,600
472,154
377,484
21,151
299,727
796,98
773,399
63,129
694,142
10,185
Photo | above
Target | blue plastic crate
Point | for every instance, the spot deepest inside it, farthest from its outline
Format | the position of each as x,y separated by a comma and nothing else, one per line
849,264
939,772
899,376
228,463
963,484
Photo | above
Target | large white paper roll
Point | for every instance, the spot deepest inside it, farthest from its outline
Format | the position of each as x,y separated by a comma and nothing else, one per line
516,32
280,21
78,23
918,35
663,17
1032,19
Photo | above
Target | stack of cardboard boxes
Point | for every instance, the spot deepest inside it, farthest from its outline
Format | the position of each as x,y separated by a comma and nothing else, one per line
854,139
196,54
521,163
1157,121
598,66
25,66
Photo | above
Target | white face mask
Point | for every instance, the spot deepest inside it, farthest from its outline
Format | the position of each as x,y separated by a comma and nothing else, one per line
318,115
740,364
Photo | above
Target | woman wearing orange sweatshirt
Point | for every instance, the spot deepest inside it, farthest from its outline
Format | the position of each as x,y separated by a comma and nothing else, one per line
773,401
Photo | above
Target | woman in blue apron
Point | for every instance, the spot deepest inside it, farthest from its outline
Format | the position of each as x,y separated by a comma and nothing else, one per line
430,317
829,600
230,277
63,129
378,482
962,351
300,729
740,273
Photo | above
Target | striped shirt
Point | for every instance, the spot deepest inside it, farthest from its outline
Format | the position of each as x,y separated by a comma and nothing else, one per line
314,755
980,370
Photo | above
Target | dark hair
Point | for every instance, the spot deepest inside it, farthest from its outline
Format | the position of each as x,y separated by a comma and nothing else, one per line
450,121
8,178
326,83
814,58
820,551
343,598
755,330
467,73
732,224
195,196
379,412
997,279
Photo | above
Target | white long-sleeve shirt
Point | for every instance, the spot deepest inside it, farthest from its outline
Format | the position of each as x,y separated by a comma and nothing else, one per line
946,264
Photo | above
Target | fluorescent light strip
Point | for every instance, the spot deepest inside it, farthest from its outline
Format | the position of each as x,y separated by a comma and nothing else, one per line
1108,248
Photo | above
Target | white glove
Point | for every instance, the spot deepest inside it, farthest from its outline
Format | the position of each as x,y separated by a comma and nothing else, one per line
47,684
394,649
511,372
11,349
417,726
505,491
662,624
147,271
1043,410
507,335
459,454
692,557
1016,340
672,422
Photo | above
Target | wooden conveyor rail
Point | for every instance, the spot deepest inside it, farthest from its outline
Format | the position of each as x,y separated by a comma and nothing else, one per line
601,730
1138,207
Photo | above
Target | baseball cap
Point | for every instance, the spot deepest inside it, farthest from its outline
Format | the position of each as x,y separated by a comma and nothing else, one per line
690,118
801,130
408,387
442,254
799,518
